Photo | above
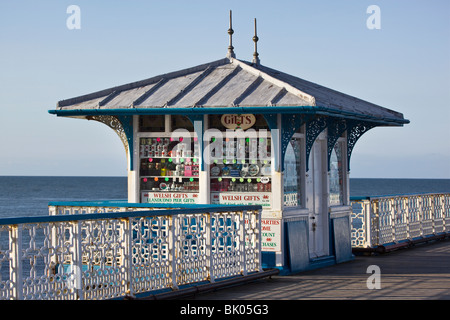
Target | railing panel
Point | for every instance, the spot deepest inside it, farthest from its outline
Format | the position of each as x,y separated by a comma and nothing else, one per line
252,241
78,254
446,212
399,216
44,247
415,216
359,234
150,253
393,219
438,214
103,258
385,221
190,238
427,215
6,281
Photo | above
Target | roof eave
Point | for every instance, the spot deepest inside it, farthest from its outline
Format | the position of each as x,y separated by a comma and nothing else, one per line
317,110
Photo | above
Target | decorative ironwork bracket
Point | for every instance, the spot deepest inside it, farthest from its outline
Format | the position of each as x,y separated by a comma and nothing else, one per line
336,127
355,129
313,129
290,123
123,126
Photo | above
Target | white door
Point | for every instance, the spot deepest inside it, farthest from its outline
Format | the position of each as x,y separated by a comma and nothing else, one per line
318,218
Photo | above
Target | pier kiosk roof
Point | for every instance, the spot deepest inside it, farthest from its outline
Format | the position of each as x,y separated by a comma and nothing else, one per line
228,85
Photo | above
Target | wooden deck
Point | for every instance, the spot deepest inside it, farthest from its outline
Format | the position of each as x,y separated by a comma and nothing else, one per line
418,273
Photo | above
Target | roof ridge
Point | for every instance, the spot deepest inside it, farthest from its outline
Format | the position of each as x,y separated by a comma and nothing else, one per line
247,66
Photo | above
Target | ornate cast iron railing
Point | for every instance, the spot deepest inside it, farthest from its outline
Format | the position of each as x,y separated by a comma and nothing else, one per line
390,220
101,254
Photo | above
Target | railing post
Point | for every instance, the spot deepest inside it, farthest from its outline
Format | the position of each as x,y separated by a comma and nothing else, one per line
367,207
442,206
420,215
392,210
242,239
78,260
433,214
375,221
408,218
444,212
128,255
15,266
209,246
258,239
173,240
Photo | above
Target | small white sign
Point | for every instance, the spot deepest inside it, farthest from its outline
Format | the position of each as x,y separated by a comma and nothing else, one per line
270,235
170,197
248,198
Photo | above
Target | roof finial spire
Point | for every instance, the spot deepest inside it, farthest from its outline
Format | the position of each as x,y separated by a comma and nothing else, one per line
255,54
230,53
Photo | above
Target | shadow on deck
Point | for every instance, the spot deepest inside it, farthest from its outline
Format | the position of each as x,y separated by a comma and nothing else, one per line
421,272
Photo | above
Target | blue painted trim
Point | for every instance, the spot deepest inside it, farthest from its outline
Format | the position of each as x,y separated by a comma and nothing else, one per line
271,120
268,259
125,204
318,110
341,244
321,262
132,214
359,198
393,195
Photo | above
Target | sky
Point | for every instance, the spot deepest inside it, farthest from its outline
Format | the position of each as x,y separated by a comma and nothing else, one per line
403,65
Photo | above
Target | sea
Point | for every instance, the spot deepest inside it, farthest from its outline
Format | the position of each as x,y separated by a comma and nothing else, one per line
26,196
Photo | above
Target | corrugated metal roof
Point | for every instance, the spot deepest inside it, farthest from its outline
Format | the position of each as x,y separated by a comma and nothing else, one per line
221,84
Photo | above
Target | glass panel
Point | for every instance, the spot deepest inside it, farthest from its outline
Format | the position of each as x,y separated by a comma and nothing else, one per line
151,123
244,167
336,175
292,174
181,122
169,170
240,163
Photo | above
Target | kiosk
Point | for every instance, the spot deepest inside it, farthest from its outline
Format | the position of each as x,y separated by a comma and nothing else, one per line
237,132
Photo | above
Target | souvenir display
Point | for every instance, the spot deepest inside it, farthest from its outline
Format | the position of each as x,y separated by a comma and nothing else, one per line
168,165
245,167
253,170
225,171
244,170
266,169
215,171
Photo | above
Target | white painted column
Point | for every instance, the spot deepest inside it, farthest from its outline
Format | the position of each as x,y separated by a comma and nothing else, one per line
277,174
133,181
204,178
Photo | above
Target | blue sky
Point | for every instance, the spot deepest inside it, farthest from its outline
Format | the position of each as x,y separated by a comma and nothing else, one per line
404,66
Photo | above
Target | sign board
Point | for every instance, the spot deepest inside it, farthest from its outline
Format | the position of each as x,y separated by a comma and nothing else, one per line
238,121
270,235
248,198
170,197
